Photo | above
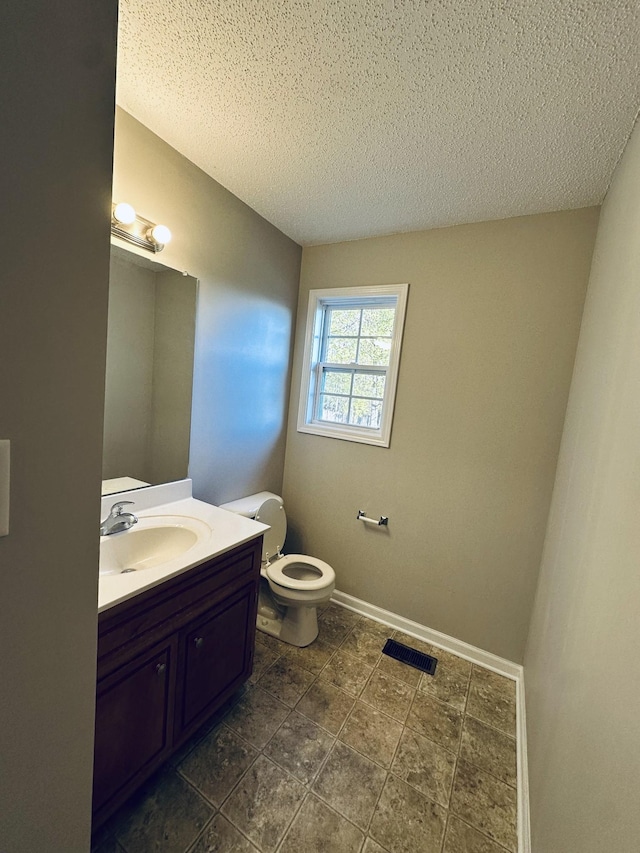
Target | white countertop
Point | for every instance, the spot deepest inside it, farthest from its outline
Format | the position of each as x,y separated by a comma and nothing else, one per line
228,531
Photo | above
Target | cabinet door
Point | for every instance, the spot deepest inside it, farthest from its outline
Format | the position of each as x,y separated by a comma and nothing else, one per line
132,723
216,656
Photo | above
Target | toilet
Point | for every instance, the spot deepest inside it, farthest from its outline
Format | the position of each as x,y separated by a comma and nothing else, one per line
291,587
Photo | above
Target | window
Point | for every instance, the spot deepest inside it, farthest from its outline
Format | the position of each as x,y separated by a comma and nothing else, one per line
351,360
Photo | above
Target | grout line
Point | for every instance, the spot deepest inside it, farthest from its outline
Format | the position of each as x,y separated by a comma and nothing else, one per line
192,846
308,786
480,832
492,727
365,832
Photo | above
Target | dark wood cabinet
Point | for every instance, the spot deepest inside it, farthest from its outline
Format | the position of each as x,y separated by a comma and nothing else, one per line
214,655
133,718
167,660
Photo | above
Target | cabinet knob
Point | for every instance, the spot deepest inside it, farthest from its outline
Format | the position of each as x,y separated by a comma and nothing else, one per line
198,641
161,668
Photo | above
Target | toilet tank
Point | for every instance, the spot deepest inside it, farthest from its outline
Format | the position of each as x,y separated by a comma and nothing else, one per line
250,505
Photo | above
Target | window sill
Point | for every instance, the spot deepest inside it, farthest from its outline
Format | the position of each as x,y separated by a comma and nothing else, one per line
372,437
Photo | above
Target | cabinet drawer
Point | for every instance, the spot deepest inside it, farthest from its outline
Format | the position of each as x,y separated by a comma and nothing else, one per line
216,656
133,721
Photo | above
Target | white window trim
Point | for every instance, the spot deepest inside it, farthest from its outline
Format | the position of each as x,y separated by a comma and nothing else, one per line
343,297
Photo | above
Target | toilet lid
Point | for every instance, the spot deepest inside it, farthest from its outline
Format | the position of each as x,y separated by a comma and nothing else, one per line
272,512
298,571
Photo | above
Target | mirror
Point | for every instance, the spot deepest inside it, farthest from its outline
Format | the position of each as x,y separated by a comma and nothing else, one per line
150,347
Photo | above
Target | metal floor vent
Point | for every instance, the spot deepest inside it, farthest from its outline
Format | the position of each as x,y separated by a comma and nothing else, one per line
405,654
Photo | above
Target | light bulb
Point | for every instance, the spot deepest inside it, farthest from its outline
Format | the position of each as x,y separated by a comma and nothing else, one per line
160,234
124,213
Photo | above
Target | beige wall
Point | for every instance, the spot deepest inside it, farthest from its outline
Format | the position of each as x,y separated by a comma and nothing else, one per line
56,140
248,273
150,347
581,664
129,373
491,329
174,344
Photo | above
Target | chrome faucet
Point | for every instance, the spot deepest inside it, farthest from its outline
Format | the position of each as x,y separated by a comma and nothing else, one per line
117,520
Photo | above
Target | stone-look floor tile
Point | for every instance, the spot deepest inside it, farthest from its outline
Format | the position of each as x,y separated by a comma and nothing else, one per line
425,766
388,695
489,749
286,681
351,784
451,680
492,700
436,720
257,716
221,837
414,642
326,705
371,846
311,658
364,644
372,733
335,623
263,657
402,671
263,803
370,626
336,611
318,829
166,817
486,803
300,747
405,821
461,838
346,671
271,642
216,763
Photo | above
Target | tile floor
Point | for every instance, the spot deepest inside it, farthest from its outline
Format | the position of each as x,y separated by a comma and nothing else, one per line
338,748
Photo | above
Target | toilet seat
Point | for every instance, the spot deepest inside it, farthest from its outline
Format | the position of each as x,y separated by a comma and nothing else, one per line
272,512
277,572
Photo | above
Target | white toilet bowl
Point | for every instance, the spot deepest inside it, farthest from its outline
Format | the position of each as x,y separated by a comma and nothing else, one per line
293,586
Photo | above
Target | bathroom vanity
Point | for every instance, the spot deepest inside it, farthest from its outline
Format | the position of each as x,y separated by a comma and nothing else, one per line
170,654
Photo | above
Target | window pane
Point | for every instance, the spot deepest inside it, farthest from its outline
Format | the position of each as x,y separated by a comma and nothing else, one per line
342,350
337,382
334,409
344,321
374,351
378,321
368,384
366,413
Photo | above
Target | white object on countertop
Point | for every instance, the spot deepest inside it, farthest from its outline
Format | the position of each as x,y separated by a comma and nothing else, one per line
121,484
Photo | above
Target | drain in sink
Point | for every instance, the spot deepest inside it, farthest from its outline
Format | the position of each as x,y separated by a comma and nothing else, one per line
124,571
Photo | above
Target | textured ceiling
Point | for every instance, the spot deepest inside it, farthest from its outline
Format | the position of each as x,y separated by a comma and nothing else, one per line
337,120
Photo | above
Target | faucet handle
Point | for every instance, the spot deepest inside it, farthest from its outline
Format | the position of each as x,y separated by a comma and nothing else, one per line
116,509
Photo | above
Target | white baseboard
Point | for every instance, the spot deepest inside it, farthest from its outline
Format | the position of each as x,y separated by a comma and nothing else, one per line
524,825
443,641
480,657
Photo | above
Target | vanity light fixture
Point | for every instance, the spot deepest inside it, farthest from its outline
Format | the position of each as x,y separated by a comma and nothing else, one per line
128,225
124,214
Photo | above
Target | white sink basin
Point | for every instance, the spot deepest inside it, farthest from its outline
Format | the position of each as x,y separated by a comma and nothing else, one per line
154,540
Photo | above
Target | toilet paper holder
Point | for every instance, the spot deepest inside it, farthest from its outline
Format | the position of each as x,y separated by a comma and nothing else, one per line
362,516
